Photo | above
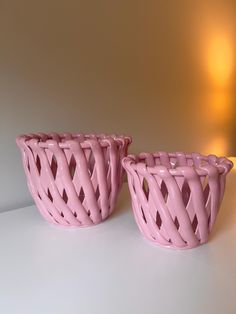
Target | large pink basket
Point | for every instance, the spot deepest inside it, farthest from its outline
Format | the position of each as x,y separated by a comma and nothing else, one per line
176,197
74,179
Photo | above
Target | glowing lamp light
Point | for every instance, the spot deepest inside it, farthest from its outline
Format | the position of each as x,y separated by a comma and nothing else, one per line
218,146
219,56
220,59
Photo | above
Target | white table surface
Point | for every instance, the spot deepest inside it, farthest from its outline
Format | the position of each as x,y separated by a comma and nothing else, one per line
110,268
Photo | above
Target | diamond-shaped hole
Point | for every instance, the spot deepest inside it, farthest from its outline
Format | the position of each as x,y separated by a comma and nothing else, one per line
64,196
176,222
109,187
205,182
158,220
75,214
206,193
91,164
97,193
144,218
186,192
72,167
54,166
164,191
50,196
145,188
38,164
81,195
194,223
28,165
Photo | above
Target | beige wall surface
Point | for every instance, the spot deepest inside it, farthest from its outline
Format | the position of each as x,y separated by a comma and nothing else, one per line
161,71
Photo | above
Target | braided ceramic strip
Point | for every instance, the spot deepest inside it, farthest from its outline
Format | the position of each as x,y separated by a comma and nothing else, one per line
176,197
74,179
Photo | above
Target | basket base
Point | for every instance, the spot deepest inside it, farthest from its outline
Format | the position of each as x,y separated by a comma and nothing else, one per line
171,246
67,225
59,225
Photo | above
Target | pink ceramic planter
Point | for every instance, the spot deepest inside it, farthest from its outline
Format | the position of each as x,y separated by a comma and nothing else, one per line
74,179
176,197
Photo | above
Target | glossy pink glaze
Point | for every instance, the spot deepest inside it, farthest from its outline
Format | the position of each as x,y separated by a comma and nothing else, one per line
176,196
74,179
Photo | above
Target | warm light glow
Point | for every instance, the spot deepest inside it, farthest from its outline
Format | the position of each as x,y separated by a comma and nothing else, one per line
219,108
218,146
233,159
218,113
219,59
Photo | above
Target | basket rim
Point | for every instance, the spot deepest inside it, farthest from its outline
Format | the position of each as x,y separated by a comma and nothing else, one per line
63,140
132,162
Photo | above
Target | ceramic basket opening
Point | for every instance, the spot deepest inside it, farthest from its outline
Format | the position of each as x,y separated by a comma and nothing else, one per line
176,196
74,179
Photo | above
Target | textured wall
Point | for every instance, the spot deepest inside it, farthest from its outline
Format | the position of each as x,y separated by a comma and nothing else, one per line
162,71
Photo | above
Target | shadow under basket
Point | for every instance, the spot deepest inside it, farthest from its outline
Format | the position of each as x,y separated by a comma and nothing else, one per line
176,196
74,179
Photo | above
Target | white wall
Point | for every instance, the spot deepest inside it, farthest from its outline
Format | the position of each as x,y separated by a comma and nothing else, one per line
138,67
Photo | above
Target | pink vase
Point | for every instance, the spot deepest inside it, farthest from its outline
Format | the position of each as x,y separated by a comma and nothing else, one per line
74,179
176,197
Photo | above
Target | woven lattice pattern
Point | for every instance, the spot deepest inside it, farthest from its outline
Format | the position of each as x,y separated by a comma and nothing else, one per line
176,197
74,179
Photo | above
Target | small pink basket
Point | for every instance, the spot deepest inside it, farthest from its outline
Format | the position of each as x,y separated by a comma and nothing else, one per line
176,196
74,179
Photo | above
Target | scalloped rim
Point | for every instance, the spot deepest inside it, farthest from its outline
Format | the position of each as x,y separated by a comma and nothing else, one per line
222,164
47,140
